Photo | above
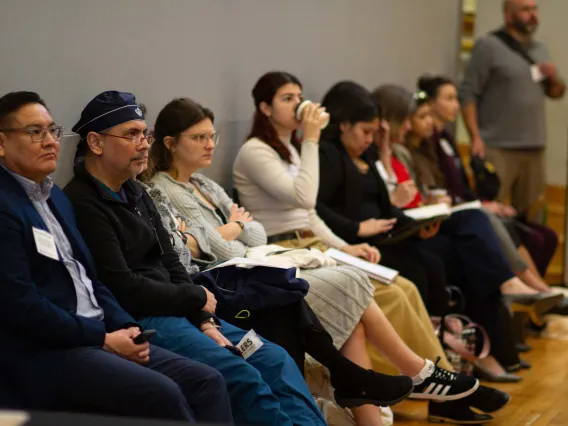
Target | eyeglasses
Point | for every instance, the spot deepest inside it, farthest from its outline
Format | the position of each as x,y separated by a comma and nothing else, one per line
38,133
136,137
203,138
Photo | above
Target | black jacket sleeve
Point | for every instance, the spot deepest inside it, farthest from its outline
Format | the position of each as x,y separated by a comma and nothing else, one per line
331,176
170,259
116,318
139,295
401,218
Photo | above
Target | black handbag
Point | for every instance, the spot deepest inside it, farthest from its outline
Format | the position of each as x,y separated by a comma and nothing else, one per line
241,291
487,182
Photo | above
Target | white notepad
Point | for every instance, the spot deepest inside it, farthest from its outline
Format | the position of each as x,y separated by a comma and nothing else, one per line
378,272
440,210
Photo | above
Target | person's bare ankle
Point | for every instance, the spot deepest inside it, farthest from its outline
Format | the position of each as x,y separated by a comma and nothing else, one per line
516,286
534,281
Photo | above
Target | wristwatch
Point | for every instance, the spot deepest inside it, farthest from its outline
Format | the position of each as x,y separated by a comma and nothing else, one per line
210,321
240,223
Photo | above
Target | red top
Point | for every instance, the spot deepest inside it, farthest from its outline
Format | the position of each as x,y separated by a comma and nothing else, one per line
402,175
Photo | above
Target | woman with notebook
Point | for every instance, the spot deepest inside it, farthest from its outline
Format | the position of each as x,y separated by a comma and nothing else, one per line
418,161
352,194
540,240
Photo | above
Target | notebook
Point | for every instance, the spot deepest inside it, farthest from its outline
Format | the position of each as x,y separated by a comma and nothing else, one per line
242,262
378,272
441,211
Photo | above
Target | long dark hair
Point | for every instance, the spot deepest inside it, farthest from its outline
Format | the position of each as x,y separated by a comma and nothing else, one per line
432,83
264,91
178,115
347,102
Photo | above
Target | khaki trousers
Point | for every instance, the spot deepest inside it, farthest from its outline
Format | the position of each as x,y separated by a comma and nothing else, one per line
522,176
405,310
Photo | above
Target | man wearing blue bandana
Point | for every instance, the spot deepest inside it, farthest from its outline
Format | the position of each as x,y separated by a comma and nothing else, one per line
66,343
134,256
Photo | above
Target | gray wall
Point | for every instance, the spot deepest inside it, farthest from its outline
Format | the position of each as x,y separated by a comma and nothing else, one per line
213,51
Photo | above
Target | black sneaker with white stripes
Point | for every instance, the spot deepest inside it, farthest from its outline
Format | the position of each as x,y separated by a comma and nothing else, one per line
443,385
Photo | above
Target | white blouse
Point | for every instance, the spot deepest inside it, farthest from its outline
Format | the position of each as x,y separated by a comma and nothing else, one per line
279,195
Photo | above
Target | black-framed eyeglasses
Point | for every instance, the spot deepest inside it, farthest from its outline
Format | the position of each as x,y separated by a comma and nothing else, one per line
38,133
204,138
136,137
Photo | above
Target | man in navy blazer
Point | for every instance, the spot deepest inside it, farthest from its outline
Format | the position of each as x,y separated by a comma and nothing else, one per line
66,343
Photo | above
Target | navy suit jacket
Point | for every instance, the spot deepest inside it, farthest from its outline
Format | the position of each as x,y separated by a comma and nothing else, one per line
38,302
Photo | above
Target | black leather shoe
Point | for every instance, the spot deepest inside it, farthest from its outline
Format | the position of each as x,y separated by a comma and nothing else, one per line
372,388
523,348
561,308
487,399
523,365
455,412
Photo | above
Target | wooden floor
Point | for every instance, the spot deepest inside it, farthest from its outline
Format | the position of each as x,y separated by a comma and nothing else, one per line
541,399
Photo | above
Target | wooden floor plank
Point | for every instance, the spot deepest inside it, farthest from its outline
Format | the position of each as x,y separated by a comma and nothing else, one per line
541,399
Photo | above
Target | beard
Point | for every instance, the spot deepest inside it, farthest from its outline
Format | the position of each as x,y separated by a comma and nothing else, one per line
526,28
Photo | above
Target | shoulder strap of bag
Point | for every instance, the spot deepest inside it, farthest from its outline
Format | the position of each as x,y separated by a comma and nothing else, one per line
516,47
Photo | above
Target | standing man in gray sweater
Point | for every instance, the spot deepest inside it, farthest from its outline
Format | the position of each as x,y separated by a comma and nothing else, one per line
503,98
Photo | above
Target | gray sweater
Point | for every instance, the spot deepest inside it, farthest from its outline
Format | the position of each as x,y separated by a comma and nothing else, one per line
510,105
169,216
204,221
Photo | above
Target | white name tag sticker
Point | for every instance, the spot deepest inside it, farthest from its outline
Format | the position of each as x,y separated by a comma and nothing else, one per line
249,344
45,244
447,148
536,75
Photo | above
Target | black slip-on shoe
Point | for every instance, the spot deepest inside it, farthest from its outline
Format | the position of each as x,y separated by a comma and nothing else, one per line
487,399
523,365
378,389
456,413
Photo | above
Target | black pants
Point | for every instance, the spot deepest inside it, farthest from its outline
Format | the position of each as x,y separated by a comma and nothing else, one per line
425,269
287,326
476,264
168,387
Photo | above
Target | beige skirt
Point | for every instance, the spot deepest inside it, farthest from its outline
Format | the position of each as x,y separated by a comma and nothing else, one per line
338,295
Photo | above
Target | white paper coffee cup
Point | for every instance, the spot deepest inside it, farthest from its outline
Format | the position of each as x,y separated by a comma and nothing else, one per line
437,192
300,109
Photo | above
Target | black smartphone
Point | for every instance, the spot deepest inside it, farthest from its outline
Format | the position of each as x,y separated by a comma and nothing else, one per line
144,336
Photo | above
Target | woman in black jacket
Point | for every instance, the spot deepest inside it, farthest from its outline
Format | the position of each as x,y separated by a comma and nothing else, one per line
356,208
353,199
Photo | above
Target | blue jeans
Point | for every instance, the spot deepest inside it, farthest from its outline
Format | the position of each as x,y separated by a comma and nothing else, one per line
266,389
